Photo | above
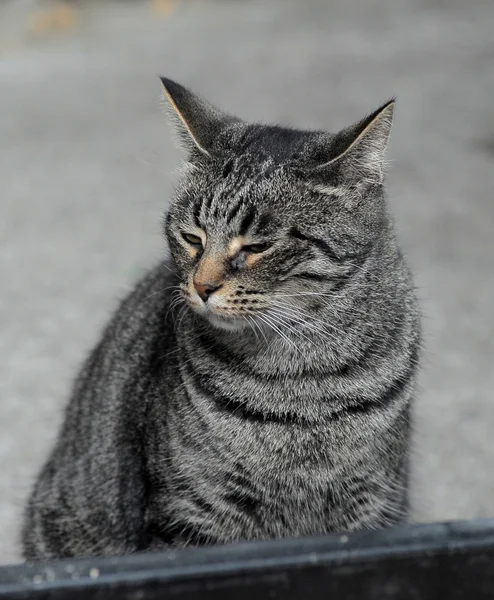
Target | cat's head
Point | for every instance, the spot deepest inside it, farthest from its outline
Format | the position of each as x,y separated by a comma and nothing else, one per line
267,213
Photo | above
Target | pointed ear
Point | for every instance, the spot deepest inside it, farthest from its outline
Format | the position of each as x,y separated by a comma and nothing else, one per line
198,123
359,151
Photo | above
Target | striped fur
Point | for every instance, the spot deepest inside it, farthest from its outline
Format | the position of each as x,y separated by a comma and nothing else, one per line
281,407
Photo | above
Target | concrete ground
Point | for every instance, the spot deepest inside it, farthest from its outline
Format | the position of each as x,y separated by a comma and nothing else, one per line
86,167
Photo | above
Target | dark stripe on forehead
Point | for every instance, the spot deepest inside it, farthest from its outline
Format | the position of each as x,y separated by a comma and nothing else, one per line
196,213
234,211
227,168
266,224
227,193
247,220
206,204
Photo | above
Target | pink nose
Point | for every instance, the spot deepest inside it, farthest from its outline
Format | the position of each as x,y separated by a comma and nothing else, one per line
205,290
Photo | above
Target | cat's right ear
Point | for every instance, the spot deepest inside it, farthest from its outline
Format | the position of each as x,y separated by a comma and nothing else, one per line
198,123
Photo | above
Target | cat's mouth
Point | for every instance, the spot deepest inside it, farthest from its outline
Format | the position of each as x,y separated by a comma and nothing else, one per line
219,317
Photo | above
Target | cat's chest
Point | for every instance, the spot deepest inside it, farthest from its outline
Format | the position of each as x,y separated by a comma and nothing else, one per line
253,474
237,398
258,484
276,447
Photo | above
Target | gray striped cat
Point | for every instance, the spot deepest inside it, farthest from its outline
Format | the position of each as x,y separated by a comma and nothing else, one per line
259,384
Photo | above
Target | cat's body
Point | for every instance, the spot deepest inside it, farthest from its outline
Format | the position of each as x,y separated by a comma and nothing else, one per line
291,417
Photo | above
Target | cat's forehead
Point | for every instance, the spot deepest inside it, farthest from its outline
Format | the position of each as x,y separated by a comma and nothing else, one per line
249,199
250,184
251,164
240,195
263,146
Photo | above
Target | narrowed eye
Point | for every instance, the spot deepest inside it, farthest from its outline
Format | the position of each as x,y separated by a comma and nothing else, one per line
193,240
256,248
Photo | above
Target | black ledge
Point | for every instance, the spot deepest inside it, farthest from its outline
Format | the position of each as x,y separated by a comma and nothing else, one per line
440,560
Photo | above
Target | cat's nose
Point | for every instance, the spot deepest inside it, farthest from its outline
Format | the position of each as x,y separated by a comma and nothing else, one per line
205,289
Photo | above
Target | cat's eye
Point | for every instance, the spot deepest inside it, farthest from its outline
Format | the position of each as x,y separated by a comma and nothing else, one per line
256,248
193,240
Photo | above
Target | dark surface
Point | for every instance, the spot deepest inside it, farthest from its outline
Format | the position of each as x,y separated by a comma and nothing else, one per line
444,561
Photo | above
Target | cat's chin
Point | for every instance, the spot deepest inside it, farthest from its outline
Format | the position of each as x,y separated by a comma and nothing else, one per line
225,323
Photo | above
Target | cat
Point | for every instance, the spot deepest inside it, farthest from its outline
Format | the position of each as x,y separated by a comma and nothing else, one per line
259,384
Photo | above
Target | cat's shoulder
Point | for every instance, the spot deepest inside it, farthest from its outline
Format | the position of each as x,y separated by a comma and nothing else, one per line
147,298
162,274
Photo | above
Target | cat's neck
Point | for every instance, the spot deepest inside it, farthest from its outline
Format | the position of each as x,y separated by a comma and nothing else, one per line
321,344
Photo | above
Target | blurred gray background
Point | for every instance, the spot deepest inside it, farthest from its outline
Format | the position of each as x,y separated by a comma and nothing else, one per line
87,161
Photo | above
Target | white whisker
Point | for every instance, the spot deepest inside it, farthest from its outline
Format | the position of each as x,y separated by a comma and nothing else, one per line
160,291
246,317
273,324
259,328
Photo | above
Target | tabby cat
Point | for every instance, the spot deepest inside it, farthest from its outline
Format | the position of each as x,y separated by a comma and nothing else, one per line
259,384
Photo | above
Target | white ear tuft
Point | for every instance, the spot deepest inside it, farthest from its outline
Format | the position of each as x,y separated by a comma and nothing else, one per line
365,154
198,123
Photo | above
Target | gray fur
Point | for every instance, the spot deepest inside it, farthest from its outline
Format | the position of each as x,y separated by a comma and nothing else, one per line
279,408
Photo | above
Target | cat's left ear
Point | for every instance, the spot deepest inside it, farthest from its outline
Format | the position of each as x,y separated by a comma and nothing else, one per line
358,152
198,123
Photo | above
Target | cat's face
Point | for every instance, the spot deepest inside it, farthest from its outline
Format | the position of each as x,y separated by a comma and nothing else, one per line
260,219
